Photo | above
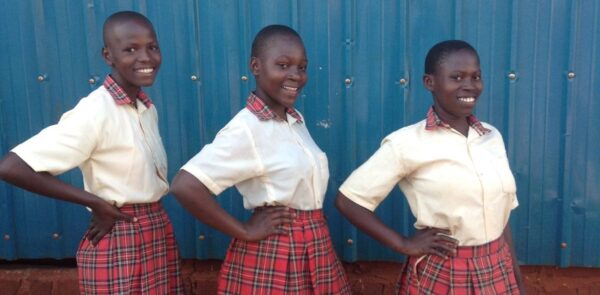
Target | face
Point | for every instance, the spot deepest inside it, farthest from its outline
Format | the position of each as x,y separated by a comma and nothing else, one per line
280,72
133,53
456,86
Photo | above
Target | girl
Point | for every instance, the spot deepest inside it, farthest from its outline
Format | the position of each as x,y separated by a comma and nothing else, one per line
112,136
268,154
454,173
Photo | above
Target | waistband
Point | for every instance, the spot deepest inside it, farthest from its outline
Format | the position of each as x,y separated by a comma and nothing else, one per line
303,214
480,250
141,209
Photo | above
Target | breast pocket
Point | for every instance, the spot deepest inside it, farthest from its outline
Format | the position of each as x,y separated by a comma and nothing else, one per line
505,175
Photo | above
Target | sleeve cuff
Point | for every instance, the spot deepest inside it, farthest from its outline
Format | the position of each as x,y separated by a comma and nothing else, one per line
358,200
213,187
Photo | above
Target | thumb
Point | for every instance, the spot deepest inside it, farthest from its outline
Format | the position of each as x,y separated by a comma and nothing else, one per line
126,217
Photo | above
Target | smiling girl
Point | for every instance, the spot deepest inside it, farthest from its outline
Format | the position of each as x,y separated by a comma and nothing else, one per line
268,154
454,172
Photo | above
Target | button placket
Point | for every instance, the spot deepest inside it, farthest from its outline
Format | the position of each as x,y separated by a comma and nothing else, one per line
313,162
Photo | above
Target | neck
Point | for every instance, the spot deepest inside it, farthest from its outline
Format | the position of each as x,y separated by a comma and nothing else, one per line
460,124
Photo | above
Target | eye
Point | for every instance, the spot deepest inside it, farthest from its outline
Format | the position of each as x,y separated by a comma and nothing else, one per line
477,78
302,68
129,49
457,78
154,48
283,66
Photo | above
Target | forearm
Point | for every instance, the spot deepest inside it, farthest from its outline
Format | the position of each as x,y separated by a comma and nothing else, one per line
369,223
196,199
507,234
15,171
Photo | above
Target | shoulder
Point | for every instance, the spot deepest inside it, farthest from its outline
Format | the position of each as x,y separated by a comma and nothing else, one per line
241,124
491,127
406,134
97,102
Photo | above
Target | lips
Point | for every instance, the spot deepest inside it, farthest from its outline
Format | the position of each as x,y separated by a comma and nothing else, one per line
467,99
290,88
146,70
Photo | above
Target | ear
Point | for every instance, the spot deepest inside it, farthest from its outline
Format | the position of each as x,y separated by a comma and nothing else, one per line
428,81
255,65
107,56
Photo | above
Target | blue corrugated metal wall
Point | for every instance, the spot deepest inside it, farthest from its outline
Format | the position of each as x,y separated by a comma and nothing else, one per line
540,65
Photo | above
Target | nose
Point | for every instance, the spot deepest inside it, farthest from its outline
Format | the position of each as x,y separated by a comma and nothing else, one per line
295,73
143,55
469,84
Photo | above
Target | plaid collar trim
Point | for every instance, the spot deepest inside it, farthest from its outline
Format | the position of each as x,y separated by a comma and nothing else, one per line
433,121
119,95
262,111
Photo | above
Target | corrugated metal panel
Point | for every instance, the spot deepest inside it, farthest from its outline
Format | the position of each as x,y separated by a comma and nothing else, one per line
547,119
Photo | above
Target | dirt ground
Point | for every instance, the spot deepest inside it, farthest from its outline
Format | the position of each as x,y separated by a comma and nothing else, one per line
370,278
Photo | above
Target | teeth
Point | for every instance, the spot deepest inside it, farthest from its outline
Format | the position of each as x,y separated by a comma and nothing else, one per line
145,70
467,99
290,88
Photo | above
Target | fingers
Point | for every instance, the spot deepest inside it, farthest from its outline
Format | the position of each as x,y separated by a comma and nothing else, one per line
125,217
276,215
266,221
99,235
437,241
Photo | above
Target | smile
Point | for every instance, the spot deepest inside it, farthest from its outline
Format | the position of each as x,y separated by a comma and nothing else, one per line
466,99
145,70
294,89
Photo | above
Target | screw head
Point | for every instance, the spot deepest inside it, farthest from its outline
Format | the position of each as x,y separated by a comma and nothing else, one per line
571,75
403,81
350,241
6,237
41,78
92,81
348,81
512,76
563,245
244,78
193,77
201,237
56,236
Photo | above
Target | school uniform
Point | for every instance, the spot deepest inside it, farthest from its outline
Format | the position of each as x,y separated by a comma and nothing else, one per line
273,162
463,184
120,153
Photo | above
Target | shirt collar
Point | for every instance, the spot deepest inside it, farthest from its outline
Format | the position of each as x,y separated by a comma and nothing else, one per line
262,111
119,95
433,121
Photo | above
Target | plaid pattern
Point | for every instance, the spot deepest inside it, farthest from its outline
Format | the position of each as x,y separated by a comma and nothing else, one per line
119,94
138,257
301,261
486,269
258,107
434,121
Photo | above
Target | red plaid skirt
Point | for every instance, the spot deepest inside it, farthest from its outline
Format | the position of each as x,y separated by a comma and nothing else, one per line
485,269
138,257
301,261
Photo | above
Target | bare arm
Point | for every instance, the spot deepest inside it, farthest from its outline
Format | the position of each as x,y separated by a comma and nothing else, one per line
507,234
196,198
15,171
427,241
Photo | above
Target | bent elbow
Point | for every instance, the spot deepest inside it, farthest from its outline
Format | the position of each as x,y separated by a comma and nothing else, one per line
6,167
175,188
340,202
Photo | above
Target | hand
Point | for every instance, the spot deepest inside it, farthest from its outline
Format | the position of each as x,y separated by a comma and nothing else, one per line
431,241
266,221
104,217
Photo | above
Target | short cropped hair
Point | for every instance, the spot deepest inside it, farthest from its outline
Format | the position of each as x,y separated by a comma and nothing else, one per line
122,16
440,51
266,33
